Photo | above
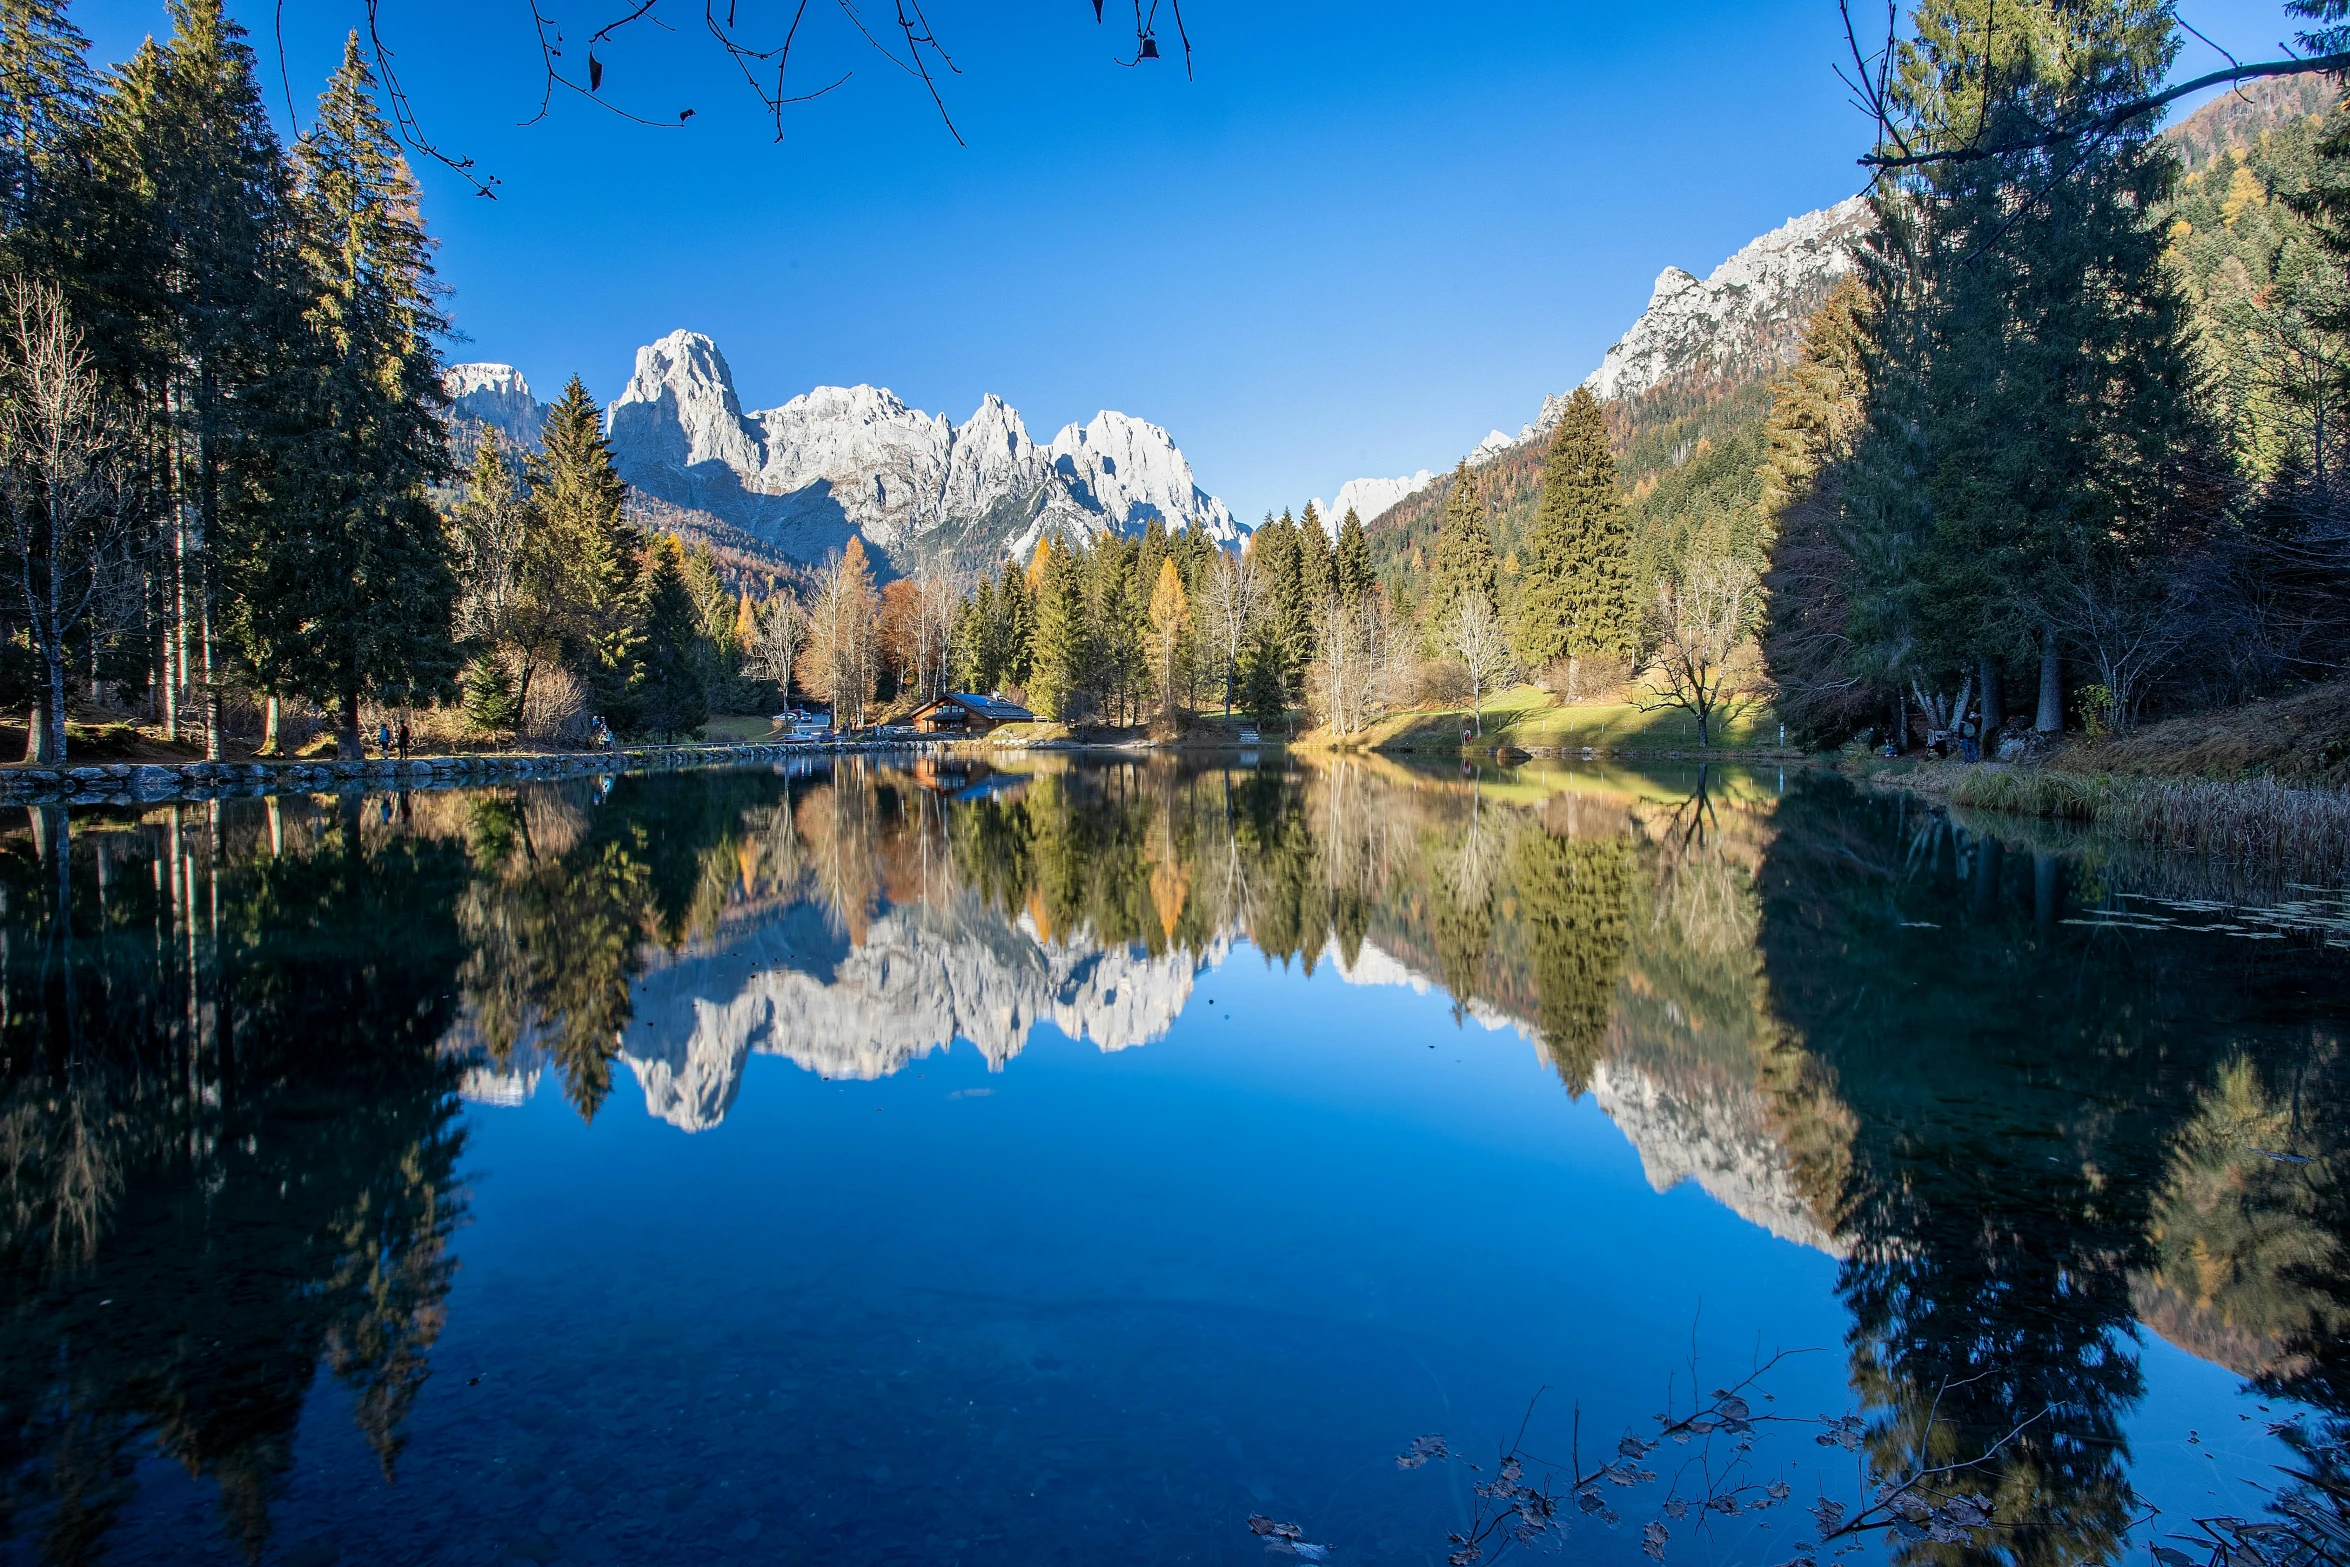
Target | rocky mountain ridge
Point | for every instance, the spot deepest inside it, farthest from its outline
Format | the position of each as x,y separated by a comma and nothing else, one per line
837,462
1741,322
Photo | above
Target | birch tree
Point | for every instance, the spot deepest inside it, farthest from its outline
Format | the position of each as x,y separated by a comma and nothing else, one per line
69,492
774,648
1230,600
1473,634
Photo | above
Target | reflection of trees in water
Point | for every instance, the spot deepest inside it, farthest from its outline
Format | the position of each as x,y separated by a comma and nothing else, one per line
226,1120
2024,1134
2036,1116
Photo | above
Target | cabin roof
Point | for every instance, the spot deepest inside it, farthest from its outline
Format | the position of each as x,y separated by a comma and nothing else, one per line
992,707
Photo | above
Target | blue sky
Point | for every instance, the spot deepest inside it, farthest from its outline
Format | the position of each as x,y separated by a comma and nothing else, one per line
1363,236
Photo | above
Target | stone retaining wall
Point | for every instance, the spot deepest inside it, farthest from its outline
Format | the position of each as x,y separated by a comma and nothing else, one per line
130,783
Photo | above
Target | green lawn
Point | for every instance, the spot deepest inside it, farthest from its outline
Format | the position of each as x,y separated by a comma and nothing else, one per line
1529,716
741,726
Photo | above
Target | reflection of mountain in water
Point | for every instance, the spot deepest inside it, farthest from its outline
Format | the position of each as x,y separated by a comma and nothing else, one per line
922,978
1720,1135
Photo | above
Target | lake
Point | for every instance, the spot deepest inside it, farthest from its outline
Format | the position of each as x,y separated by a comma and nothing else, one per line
1073,1162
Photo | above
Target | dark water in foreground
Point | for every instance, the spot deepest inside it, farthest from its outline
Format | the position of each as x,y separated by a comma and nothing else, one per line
875,1166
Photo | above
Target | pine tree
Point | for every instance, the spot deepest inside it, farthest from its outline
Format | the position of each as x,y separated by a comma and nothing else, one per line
47,100
185,250
2031,407
1317,583
583,571
1058,664
1577,596
1356,576
1117,644
1274,551
674,691
1265,680
493,706
1015,628
345,580
1464,549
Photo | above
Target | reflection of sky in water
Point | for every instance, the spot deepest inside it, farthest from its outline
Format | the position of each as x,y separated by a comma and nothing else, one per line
993,1243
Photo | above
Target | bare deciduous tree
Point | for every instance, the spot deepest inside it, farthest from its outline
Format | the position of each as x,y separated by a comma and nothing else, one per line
70,495
1229,604
490,532
1701,621
2129,626
1473,634
775,646
935,596
1351,677
843,638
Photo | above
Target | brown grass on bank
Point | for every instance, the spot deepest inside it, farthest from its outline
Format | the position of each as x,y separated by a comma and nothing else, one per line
2303,738
2243,821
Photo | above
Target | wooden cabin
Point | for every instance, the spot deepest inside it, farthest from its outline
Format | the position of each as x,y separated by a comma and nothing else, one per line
967,713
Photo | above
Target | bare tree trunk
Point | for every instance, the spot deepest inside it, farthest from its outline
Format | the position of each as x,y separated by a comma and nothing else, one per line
269,730
1994,707
2051,716
36,733
57,682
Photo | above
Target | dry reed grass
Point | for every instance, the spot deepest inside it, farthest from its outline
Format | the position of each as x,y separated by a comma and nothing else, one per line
2246,821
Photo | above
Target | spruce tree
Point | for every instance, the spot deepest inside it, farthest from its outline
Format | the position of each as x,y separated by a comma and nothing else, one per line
1274,550
1577,595
1464,549
2031,407
1059,669
1317,583
344,579
192,267
46,102
1356,576
674,690
584,565
1015,628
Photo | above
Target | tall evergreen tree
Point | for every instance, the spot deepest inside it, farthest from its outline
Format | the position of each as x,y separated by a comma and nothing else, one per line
1577,597
344,580
1015,627
1317,582
2032,418
1274,551
674,694
1355,573
585,561
1464,549
195,278
46,102
1059,665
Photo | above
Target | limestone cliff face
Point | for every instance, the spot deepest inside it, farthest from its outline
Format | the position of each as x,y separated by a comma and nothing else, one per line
854,461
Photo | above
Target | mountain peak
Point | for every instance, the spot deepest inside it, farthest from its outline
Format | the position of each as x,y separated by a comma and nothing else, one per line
1750,310
836,461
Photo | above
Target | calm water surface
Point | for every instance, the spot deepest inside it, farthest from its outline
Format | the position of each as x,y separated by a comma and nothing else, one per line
863,1165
